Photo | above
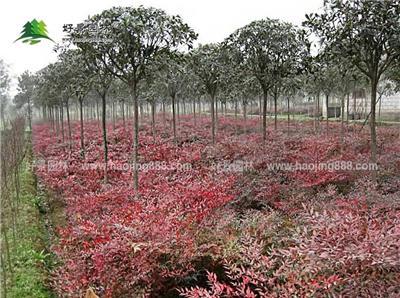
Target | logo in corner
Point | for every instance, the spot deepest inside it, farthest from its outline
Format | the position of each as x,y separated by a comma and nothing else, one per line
33,32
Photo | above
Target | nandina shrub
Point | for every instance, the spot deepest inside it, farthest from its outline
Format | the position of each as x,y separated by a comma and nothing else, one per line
118,242
360,242
348,249
125,245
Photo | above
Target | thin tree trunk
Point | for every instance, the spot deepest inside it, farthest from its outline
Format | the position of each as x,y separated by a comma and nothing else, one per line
216,114
56,116
30,115
315,114
173,117
135,137
199,103
97,111
260,111
163,112
4,273
6,249
288,115
113,114
276,110
342,120
245,114
236,116
82,136
104,128
194,112
354,105
380,106
177,109
318,111
374,84
327,112
69,126
347,108
213,116
123,112
62,122
153,120
264,119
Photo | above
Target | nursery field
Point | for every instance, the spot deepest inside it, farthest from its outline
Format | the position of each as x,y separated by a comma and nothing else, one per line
228,150
295,217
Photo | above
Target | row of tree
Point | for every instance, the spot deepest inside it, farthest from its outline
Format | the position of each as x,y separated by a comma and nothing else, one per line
146,55
12,155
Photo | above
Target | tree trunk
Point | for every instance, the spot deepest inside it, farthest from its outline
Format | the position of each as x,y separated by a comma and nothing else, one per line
30,115
380,106
81,119
104,128
244,113
236,109
260,111
327,112
69,126
276,110
216,114
173,117
236,115
133,90
212,119
113,114
163,112
6,250
342,120
153,120
123,112
318,111
177,109
199,103
288,115
4,271
194,112
97,111
264,116
44,114
347,108
374,85
315,114
56,116
62,121
354,105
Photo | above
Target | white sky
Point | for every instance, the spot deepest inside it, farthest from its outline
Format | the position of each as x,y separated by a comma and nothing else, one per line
213,20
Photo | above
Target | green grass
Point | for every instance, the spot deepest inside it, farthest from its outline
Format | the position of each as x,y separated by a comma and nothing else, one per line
28,256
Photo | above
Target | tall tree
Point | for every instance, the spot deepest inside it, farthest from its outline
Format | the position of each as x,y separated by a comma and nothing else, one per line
170,72
207,63
138,36
102,80
367,32
26,90
80,82
270,51
49,89
4,87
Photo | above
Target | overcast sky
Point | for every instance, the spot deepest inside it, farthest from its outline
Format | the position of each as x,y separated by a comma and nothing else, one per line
213,20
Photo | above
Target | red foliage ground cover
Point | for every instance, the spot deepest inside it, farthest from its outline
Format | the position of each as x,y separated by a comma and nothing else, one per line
257,229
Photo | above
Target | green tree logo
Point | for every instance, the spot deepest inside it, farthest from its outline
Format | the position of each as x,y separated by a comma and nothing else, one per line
33,32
